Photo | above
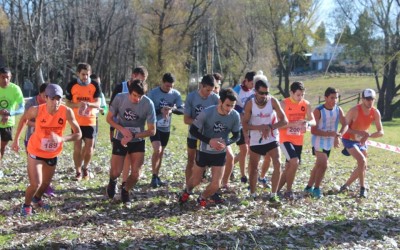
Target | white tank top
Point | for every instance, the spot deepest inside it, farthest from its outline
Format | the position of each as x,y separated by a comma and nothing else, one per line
259,116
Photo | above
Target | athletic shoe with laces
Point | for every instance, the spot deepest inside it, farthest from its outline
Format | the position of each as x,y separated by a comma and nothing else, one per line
125,196
38,203
363,192
216,198
289,195
264,182
201,202
274,199
243,179
153,182
86,174
49,192
78,176
159,182
184,197
316,193
26,210
111,189
308,191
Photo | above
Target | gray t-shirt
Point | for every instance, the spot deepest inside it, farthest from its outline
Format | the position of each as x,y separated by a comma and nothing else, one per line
162,99
132,116
30,103
194,104
214,125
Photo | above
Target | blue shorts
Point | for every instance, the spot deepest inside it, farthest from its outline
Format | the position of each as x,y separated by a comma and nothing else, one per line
350,144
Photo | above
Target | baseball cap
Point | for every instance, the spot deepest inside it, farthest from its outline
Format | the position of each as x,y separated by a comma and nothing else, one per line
53,90
368,93
260,77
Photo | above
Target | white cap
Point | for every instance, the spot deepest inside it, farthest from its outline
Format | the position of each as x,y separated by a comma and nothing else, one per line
260,77
368,93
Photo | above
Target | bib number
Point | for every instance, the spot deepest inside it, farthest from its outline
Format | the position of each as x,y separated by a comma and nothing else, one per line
84,112
48,145
294,131
133,130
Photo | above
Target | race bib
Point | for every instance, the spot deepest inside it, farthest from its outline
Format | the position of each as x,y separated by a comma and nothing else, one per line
133,130
48,145
84,111
209,148
164,123
293,130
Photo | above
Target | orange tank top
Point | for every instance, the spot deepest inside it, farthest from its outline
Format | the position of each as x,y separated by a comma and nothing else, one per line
86,93
294,111
362,122
39,143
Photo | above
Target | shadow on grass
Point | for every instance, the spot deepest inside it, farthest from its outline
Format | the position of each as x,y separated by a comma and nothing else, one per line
312,235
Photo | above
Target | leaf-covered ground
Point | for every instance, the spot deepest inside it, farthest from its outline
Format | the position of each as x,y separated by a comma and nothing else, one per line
83,218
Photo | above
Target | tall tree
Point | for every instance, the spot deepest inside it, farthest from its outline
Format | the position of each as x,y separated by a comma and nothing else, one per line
289,24
385,16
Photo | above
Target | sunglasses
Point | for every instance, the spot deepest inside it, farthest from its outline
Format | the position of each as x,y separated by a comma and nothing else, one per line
263,93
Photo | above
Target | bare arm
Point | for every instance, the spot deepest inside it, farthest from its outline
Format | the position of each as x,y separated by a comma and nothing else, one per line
187,119
31,113
76,131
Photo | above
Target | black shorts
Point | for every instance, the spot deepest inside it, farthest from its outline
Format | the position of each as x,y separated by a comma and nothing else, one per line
132,147
327,152
52,162
265,148
241,140
192,143
6,134
88,132
291,151
162,137
210,160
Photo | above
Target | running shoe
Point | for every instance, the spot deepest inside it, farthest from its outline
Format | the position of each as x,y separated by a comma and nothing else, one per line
345,152
264,181
316,193
49,192
216,198
243,179
78,176
363,192
289,195
159,182
184,197
125,196
26,210
111,189
38,203
308,191
274,199
153,182
86,174
201,202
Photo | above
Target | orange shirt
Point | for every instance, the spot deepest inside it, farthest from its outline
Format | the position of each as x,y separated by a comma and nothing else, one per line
77,93
362,122
294,111
39,143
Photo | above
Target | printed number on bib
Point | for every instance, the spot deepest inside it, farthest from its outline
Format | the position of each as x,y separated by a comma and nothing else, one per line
48,145
293,130
133,130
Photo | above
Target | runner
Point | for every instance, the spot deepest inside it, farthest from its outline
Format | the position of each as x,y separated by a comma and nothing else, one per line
300,116
324,136
212,127
359,119
128,114
263,116
45,144
167,101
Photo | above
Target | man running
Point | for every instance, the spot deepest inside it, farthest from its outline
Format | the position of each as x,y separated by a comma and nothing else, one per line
128,114
45,144
359,119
